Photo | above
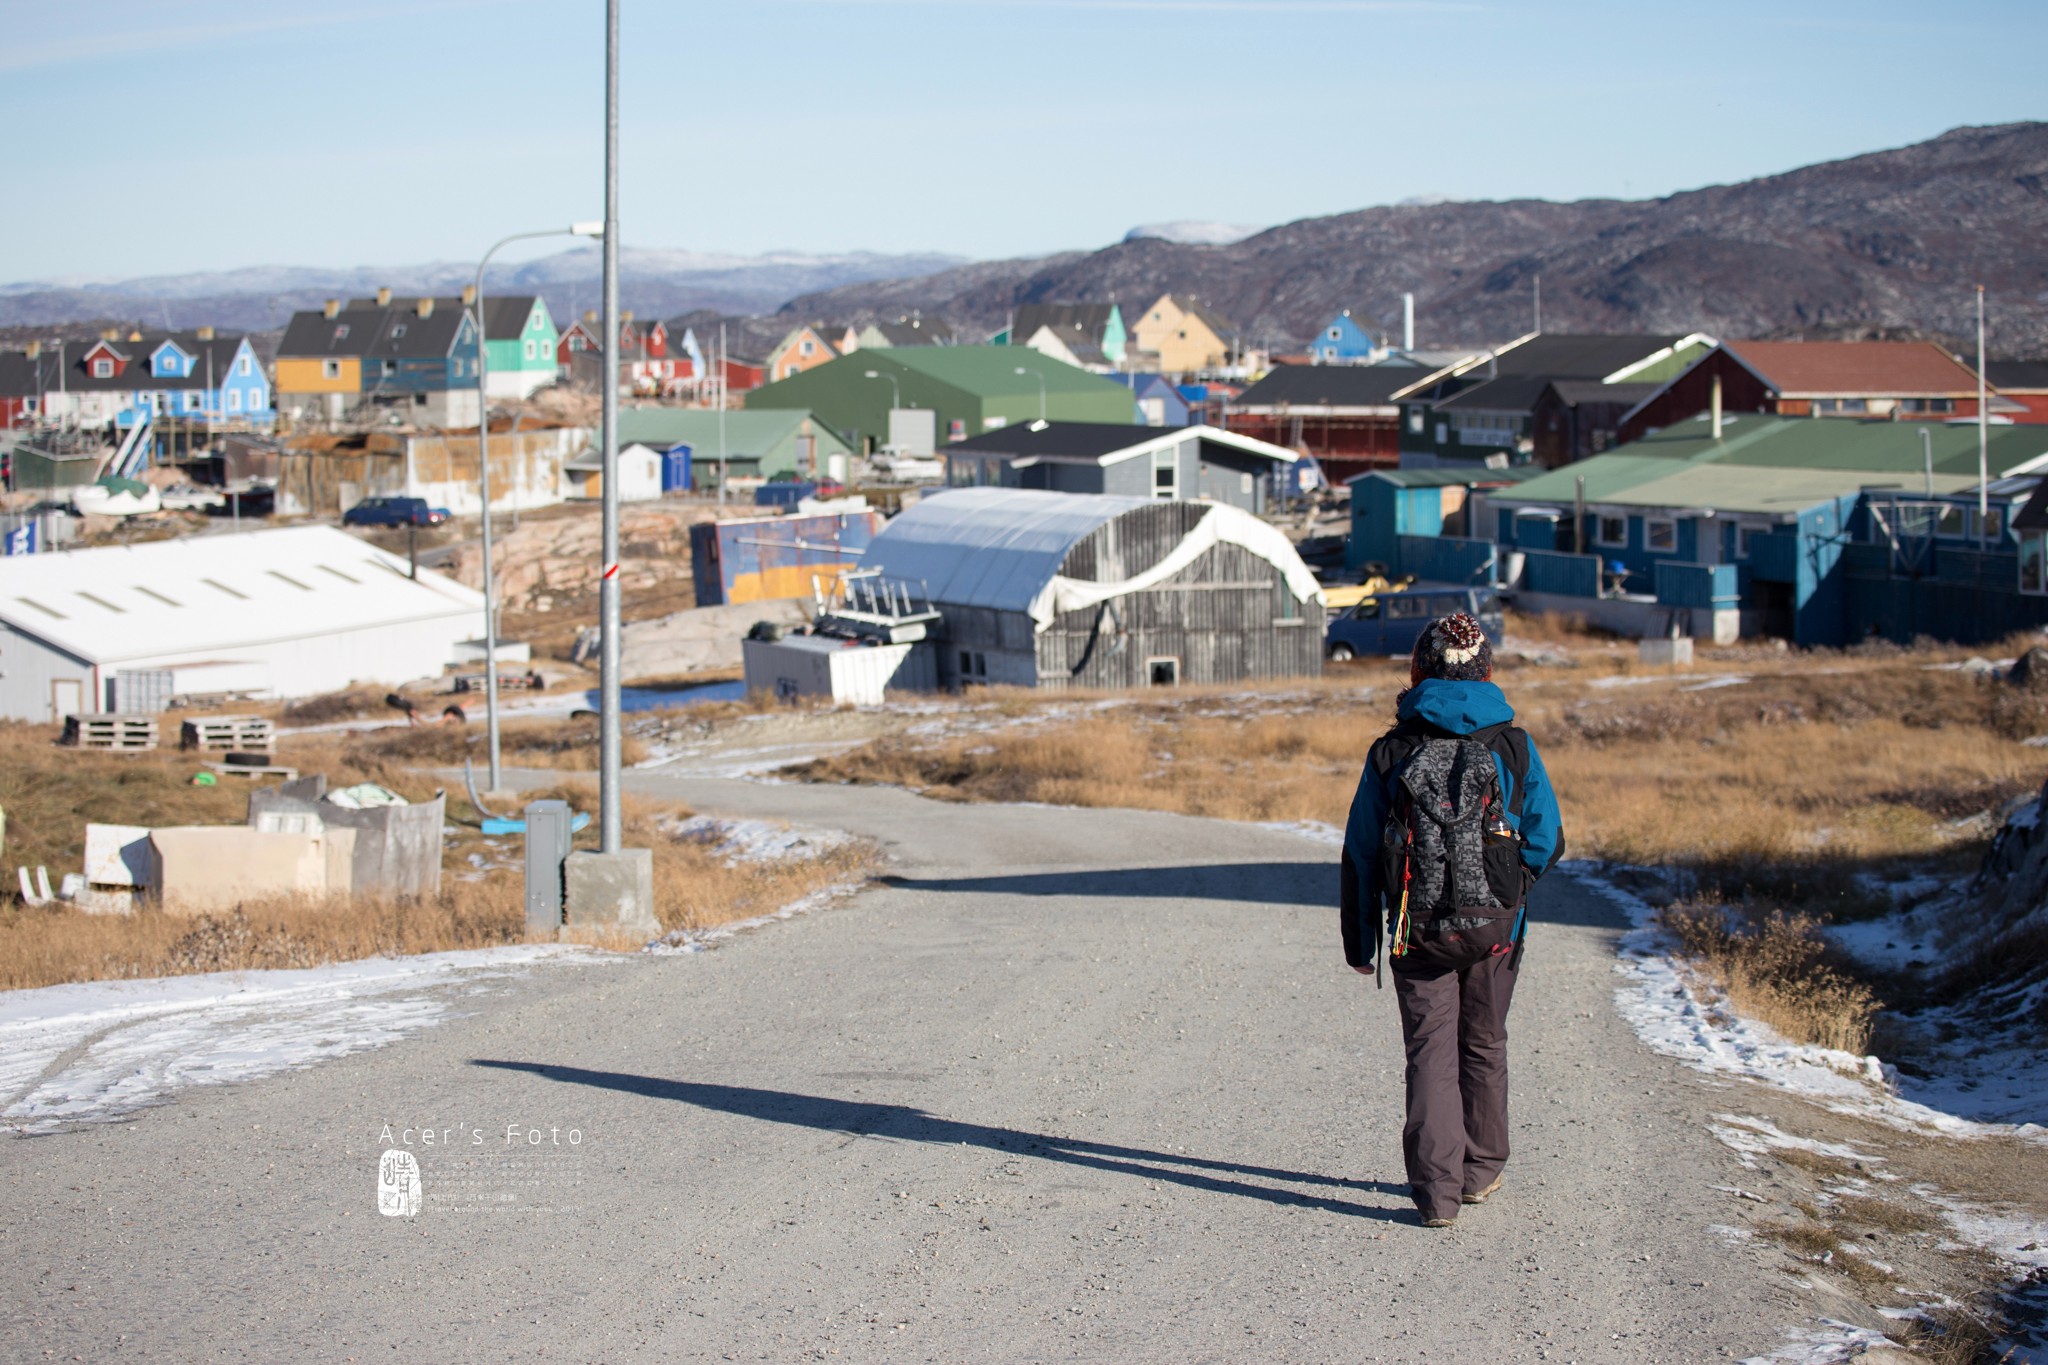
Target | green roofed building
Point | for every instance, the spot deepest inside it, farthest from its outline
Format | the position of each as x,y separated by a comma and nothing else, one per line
967,389
756,444
1822,531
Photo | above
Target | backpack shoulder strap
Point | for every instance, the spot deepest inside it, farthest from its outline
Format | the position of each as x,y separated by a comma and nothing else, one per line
1511,743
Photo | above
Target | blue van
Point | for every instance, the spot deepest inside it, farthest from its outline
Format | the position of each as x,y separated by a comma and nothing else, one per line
1391,623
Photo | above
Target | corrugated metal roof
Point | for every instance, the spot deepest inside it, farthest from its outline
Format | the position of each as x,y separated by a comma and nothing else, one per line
1446,476
748,431
990,547
206,593
1002,548
1872,369
1767,491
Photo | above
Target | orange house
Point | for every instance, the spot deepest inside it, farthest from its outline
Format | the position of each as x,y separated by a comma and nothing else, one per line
805,348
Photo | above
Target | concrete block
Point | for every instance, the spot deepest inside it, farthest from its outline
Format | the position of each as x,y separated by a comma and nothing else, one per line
609,895
205,868
1662,652
118,855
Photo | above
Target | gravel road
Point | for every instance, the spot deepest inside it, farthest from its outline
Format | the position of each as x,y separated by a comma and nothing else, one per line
1075,1085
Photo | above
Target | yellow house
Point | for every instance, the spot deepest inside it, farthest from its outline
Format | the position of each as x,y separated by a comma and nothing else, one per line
806,348
1186,336
320,359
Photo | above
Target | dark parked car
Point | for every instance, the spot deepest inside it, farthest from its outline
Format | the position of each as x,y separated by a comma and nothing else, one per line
1390,623
394,512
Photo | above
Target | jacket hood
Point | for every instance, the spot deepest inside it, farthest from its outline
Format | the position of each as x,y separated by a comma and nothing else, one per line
1457,707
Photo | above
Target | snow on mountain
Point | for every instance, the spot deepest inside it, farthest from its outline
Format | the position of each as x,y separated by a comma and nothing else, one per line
1193,232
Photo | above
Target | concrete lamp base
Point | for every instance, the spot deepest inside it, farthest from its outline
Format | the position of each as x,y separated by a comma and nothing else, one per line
609,896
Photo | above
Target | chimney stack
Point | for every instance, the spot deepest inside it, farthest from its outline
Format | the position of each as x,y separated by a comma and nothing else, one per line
626,316
468,295
135,334
205,333
590,315
424,307
331,309
1717,407
383,296
110,334
1407,322
35,348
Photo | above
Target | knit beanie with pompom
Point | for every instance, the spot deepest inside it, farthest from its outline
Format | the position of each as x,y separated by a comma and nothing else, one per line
1453,648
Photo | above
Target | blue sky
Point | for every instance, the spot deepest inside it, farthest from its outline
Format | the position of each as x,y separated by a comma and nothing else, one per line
152,139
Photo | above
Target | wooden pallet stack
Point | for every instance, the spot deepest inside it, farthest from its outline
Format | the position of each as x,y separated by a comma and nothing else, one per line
246,733
121,732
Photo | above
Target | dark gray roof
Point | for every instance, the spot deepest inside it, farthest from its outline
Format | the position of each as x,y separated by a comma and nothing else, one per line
2025,375
1333,386
919,332
2034,516
1081,440
1089,318
408,335
505,315
21,377
1576,391
220,350
348,333
1566,356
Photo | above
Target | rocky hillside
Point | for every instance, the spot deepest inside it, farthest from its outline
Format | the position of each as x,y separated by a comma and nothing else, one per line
1884,244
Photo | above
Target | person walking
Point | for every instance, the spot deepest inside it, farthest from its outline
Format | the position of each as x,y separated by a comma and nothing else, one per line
1453,823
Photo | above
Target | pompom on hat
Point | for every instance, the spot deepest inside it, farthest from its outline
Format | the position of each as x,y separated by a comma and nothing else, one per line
1452,647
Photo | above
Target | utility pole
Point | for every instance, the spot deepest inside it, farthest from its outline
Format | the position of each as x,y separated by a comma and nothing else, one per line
1983,437
611,832
1539,302
724,373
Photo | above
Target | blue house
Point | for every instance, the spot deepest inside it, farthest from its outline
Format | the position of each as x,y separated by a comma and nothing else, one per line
1344,342
181,379
1819,532
1157,403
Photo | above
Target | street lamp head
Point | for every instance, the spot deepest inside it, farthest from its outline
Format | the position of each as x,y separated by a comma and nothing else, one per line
593,229
874,374
1021,370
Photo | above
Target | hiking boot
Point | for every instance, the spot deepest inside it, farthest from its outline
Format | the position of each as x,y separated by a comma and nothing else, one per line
1481,1196
1440,1222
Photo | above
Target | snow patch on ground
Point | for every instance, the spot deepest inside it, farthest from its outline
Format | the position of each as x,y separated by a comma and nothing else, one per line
701,940
96,1050
1316,831
756,841
1661,1002
1828,1344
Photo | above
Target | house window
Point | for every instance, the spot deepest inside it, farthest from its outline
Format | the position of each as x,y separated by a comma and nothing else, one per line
1443,432
242,365
973,666
1610,531
805,347
1162,672
330,369
1840,407
256,400
531,350
1948,521
1746,535
1992,526
1415,421
390,367
234,400
191,398
341,331
1333,334
1660,535
1166,472
2033,559
103,369
1929,406
398,331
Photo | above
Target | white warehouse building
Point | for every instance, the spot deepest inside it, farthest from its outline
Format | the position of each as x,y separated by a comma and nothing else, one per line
286,613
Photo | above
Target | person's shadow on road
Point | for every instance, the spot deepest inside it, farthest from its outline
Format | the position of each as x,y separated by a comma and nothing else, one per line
914,1125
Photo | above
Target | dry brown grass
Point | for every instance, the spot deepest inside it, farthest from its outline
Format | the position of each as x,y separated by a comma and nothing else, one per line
1775,967
1954,1336
50,793
1820,766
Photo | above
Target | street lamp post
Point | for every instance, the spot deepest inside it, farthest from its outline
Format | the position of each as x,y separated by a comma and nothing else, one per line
1041,389
483,460
896,399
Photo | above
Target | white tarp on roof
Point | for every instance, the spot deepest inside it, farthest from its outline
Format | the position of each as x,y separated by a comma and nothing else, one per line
200,596
1002,548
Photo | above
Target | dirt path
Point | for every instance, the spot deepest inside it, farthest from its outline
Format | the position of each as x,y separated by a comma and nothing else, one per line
1076,1085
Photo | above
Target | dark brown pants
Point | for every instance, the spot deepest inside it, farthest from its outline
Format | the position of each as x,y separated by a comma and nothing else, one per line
1455,1026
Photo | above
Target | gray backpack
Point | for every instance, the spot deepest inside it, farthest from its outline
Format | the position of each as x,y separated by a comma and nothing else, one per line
1450,862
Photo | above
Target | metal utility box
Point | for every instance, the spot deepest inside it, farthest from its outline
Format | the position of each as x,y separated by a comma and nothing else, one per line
548,835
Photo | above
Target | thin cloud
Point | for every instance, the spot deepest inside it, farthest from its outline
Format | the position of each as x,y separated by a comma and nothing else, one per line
102,44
